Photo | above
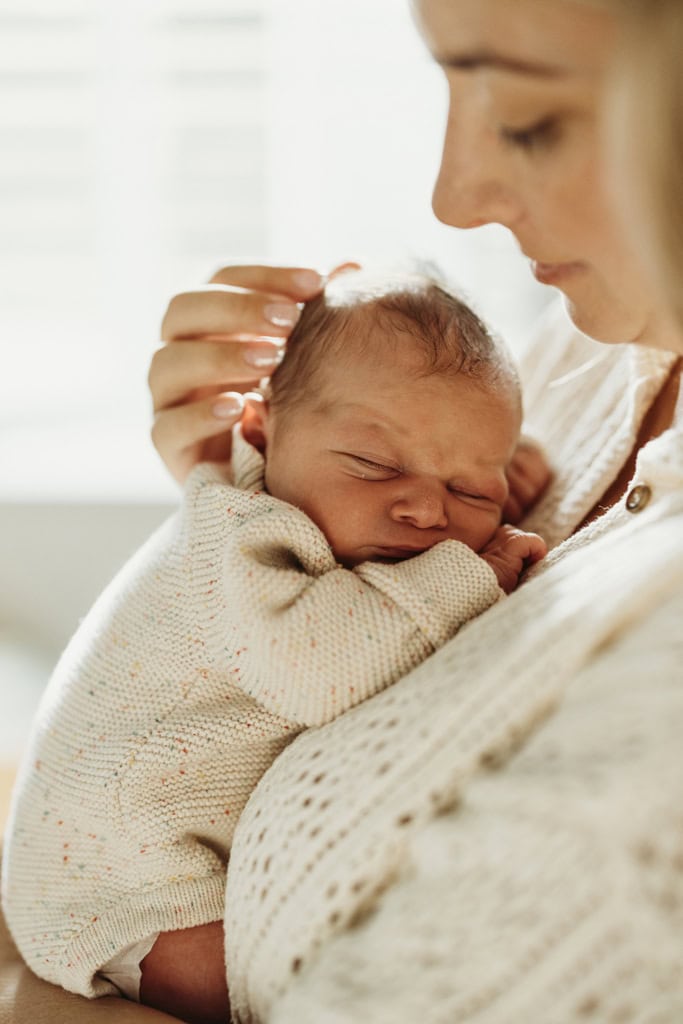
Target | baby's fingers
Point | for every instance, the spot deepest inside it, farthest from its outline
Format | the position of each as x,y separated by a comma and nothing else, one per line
532,462
519,497
514,543
528,475
536,548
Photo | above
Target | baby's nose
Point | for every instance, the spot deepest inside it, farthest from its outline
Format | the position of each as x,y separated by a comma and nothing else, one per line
421,508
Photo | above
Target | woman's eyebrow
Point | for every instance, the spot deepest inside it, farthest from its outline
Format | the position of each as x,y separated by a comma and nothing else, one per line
489,59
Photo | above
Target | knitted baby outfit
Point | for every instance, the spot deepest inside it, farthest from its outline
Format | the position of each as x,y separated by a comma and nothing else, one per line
229,632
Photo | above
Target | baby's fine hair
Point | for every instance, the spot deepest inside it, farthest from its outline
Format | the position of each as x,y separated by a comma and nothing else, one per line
415,308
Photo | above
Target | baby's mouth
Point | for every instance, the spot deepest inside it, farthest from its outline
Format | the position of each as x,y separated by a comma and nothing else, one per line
397,554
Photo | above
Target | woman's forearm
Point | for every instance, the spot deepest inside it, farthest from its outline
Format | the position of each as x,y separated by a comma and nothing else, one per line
184,974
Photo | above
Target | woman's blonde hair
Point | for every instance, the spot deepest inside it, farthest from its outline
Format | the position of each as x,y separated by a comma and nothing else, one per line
649,133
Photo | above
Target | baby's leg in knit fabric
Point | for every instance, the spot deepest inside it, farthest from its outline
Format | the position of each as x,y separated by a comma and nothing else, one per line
184,974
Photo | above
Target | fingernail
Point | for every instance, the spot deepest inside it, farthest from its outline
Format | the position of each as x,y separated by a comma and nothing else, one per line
281,314
264,357
229,407
308,280
344,268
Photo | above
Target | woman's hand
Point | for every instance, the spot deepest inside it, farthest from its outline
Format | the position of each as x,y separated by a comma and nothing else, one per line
510,551
220,341
528,475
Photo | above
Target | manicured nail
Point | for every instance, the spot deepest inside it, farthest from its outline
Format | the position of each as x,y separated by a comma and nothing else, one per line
228,407
264,357
281,314
308,280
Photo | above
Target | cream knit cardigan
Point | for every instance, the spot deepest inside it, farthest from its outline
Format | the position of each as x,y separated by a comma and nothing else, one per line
228,633
498,838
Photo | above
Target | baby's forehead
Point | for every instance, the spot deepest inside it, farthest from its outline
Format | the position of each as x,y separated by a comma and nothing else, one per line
372,329
372,336
403,410
373,340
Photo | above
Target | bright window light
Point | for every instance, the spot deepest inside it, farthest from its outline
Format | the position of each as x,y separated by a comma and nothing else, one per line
145,142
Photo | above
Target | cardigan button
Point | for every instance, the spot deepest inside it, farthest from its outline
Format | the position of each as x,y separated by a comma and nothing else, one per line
638,497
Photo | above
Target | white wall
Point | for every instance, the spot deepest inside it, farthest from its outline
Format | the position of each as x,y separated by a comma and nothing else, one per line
54,561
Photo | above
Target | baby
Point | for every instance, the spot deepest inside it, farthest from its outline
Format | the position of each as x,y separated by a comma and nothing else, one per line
360,529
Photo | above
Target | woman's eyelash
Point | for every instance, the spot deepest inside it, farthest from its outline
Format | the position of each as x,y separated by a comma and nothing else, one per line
543,133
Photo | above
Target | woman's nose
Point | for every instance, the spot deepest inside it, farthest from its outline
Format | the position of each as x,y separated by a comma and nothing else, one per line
421,508
475,185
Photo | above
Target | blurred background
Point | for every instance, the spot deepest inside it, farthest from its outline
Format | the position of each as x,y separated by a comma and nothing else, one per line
143,143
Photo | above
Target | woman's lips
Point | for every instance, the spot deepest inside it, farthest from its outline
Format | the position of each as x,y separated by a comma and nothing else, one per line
554,273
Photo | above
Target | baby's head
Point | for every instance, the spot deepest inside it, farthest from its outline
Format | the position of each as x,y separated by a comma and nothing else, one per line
391,420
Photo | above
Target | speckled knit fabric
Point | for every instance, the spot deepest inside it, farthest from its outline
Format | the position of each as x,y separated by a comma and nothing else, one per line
498,838
229,632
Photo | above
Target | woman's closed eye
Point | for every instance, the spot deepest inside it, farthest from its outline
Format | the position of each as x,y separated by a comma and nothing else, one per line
540,135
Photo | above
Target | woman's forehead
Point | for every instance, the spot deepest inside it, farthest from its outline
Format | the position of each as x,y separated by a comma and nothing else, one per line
535,38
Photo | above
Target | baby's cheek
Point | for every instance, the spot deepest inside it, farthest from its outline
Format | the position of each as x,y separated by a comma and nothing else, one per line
344,523
483,526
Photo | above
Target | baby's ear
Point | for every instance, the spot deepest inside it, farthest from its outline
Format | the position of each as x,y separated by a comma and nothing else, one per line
254,420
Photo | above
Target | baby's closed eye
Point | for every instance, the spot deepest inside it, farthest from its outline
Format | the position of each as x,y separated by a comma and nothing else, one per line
368,467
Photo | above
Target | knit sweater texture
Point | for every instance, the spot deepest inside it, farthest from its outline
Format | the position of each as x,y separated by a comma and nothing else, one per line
227,634
499,837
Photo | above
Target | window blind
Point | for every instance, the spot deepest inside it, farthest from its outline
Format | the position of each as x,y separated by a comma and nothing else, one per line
132,143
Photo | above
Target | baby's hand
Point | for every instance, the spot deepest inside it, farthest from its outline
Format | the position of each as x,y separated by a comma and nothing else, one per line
528,475
510,551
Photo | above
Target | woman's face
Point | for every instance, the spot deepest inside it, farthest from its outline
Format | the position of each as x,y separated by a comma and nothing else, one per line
524,148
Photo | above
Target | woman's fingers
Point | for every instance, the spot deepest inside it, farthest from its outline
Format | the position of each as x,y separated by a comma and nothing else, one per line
198,431
217,309
342,268
297,283
225,336
243,301
251,301
180,367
